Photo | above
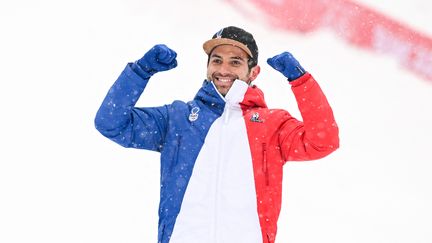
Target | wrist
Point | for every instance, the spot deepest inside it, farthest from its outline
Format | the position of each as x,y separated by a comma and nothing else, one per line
143,72
145,66
297,72
300,80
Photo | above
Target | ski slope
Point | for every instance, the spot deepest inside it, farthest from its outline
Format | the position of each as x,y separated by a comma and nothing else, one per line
61,181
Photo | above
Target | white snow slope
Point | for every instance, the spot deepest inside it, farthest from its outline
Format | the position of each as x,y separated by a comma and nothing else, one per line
61,181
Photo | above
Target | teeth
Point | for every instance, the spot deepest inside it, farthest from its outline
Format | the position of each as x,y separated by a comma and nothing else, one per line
224,80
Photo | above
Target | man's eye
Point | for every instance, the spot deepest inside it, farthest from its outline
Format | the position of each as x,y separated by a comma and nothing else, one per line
216,61
236,63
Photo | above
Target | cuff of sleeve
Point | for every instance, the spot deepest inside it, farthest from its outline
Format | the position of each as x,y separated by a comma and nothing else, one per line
301,80
139,71
133,75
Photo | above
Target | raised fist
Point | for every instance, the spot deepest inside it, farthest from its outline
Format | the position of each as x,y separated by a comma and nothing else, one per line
159,58
287,65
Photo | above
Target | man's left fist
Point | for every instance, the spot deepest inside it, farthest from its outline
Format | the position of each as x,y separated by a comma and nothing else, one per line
287,65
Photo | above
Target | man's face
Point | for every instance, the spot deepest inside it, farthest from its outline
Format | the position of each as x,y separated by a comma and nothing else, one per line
228,63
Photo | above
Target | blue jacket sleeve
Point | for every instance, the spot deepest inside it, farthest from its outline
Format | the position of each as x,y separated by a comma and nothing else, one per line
119,120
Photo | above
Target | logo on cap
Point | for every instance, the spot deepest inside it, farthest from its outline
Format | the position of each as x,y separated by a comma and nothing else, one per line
219,34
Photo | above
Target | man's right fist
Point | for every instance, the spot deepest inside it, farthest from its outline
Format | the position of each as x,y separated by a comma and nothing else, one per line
159,58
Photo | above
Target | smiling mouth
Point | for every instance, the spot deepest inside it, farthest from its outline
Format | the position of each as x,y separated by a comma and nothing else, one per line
225,80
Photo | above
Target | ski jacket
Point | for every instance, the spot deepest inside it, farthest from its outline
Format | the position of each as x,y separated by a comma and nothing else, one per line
221,157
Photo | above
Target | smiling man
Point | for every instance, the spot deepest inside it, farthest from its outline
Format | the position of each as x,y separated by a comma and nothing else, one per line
230,58
228,63
222,153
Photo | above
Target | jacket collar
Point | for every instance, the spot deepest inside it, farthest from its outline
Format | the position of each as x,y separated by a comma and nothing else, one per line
240,93
253,98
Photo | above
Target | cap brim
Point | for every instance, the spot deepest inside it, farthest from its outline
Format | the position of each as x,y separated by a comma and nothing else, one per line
209,45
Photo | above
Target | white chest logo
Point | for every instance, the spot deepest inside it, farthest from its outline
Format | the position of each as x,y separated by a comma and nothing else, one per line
193,116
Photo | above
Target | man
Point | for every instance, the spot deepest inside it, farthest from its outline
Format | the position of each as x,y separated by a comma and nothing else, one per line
221,153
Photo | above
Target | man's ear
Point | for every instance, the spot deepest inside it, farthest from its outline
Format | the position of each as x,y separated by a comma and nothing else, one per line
254,73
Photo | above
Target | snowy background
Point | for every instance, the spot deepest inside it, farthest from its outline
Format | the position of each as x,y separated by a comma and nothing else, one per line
61,181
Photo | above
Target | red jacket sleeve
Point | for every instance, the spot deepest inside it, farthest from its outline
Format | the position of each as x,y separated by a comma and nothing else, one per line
318,134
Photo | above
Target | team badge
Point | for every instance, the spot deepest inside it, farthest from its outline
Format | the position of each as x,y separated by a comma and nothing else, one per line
193,116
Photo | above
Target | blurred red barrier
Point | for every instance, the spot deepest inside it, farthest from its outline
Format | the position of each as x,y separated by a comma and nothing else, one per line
355,23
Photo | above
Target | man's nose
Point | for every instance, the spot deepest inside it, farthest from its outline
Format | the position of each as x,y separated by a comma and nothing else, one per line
225,69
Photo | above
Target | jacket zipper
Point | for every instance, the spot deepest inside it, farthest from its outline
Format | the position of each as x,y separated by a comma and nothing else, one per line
265,166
